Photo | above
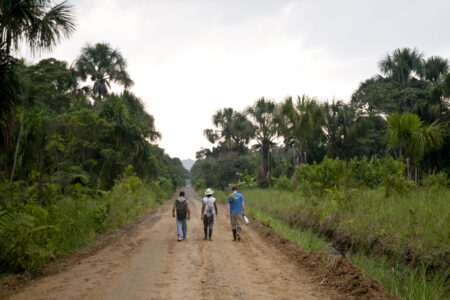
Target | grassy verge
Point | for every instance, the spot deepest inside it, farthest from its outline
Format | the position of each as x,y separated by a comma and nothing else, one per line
400,280
401,241
306,239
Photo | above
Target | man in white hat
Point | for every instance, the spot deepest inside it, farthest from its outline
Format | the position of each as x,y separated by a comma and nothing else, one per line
208,207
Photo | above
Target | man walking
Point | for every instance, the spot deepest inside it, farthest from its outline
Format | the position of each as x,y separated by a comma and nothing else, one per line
207,214
181,206
235,210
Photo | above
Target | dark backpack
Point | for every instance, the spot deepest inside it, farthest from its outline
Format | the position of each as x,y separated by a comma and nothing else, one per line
181,209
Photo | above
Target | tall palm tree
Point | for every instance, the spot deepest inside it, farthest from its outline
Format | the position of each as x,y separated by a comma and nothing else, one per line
262,112
402,65
300,122
242,131
234,130
222,119
103,65
36,22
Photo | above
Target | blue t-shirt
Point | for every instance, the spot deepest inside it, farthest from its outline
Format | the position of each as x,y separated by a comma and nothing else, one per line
235,206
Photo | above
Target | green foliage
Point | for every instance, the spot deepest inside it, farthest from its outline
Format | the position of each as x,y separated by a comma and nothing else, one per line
315,179
246,180
405,234
77,169
304,238
38,23
401,281
229,168
284,184
233,132
103,65
436,181
31,233
11,85
301,123
262,113
407,132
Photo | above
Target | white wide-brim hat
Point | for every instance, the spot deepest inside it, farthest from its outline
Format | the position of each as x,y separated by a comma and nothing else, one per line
209,191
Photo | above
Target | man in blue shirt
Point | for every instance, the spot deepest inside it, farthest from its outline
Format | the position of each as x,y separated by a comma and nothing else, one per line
235,210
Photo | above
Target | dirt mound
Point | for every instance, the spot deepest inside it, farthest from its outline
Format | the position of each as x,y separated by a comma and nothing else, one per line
333,271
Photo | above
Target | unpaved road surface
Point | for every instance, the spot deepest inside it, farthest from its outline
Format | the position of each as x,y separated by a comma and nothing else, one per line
147,262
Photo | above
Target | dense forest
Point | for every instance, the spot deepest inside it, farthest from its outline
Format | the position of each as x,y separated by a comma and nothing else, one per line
402,112
75,158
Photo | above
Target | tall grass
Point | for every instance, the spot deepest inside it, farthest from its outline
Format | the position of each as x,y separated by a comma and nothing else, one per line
411,229
400,280
306,239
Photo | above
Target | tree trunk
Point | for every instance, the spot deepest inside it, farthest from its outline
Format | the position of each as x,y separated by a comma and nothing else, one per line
300,153
408,174
41,171
295,158
416,177
8,42
16,152
265,157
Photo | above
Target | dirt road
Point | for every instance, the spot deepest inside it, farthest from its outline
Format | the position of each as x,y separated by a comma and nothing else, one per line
147,262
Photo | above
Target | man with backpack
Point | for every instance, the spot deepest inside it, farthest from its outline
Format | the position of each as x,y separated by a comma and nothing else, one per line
207,214
235,210
181,206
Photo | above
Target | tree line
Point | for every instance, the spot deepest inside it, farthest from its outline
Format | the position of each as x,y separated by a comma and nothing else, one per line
75,159
59,120
402,112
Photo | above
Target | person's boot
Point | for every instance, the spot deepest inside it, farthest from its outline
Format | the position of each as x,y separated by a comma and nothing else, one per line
210,234
234,234
238,234
206,233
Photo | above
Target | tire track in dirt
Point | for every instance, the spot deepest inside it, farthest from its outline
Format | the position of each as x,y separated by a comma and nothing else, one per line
148,263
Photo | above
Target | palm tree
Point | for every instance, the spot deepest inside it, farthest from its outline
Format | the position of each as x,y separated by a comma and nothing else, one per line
337,126
402,65
242,131
222,119
234,130
263,115
412,138
435,67
38,23
103,65
300,123
400,132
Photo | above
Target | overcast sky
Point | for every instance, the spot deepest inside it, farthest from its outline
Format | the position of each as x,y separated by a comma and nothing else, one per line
190,58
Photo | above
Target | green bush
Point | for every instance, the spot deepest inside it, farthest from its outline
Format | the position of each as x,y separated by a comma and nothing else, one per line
436,181
32,233
200,184
316,179
284,184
